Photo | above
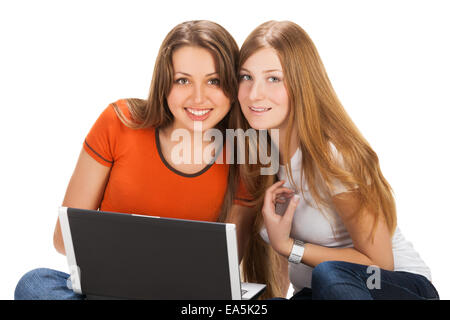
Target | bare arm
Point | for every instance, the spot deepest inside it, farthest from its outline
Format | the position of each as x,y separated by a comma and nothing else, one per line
366,252
243,218
85,190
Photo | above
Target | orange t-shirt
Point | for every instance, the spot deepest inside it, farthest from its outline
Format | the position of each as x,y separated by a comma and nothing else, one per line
142,182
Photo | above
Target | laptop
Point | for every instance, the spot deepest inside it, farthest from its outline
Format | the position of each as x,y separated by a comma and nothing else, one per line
128,256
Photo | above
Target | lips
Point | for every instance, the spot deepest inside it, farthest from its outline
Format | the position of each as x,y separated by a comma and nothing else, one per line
198,114
259,109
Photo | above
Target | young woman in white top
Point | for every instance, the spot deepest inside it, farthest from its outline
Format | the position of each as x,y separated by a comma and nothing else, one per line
331,214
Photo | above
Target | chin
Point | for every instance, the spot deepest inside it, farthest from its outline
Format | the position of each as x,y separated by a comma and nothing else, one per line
205,126
258,125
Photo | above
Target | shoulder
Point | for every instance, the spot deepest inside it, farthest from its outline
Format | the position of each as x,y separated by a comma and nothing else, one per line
111,113
118,109
121,114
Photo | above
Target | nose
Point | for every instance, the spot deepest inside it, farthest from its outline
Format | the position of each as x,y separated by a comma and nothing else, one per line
199,94
256,91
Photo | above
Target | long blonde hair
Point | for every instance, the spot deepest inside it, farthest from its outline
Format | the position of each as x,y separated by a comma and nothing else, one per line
154,112
321,121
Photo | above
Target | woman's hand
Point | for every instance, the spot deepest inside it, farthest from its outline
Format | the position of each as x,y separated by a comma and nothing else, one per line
279,227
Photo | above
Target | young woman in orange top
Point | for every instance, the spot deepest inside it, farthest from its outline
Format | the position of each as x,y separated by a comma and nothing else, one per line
127,162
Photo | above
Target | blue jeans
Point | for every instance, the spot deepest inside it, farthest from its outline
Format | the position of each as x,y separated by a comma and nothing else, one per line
45,284
338,280
335,280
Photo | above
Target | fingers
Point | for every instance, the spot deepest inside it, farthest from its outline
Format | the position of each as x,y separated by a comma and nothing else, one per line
275,194
282,190
290,211
269,191
275,185
276,189
281,194
269,197
281,198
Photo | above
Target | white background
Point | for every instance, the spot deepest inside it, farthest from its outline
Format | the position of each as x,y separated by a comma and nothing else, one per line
63,62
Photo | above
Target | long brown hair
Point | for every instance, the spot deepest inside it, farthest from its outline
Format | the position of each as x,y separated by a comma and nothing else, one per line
321,122
154,112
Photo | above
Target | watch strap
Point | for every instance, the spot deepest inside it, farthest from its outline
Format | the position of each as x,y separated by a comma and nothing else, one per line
297,252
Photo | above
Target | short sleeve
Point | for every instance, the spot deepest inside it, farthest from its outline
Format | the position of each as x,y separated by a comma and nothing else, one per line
101,140
242,196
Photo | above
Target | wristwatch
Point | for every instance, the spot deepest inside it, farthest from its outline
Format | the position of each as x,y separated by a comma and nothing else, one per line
297,252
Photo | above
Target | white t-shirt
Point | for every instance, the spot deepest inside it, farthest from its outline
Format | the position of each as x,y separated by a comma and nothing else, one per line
313,226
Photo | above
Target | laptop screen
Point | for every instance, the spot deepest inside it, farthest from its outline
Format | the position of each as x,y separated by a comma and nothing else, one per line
136,257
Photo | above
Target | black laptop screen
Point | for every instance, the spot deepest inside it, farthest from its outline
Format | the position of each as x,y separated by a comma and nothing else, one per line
126,256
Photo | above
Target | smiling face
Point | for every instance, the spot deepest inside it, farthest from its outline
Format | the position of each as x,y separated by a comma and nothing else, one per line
196,94
262,92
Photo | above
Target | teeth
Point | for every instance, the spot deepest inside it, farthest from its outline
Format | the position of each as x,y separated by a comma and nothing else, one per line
198,112
259,109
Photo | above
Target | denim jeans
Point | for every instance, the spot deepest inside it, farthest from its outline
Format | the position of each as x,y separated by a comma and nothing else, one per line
45,284
331,280
338,280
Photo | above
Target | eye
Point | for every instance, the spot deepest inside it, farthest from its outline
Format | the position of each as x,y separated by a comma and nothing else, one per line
214,82
244,77
182,81
274,79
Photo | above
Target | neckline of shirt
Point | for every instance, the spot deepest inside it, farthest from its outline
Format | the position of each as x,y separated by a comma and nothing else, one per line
180,173
295,161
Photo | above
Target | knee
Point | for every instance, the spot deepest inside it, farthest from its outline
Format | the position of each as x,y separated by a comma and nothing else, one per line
30,286
328,273
338,280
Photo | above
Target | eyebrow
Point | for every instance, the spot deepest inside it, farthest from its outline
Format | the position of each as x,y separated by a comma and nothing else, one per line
265,71
189,75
